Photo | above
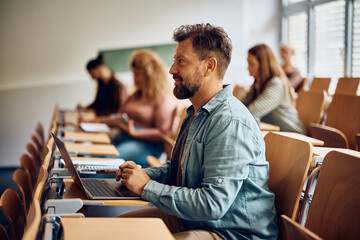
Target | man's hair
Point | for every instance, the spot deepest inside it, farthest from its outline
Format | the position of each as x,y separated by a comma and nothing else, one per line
207,41
94,63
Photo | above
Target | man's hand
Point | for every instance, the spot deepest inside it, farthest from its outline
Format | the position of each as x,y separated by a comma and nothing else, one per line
132,176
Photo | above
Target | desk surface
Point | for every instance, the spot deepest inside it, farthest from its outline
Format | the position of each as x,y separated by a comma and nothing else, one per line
72,117
93,149
313,141
114,228
268,127
72,191
88,137
322,151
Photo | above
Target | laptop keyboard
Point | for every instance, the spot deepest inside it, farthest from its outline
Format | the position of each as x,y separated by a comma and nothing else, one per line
99,188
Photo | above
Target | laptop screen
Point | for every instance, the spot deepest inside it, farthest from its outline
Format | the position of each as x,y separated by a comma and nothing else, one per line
65,155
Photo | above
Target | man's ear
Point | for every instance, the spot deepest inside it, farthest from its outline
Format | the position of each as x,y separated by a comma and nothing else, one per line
211,65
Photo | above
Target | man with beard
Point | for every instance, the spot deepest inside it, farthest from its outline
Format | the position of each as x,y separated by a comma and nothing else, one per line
215,186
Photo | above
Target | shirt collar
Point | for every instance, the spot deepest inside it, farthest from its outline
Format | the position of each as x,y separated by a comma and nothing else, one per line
211,105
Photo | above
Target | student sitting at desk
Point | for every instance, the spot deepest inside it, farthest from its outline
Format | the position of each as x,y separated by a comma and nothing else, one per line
150,109
216,185
111,93
270,98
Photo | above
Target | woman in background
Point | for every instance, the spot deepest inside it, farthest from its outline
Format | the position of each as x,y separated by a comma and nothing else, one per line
294,76
150,109
270,97
111,93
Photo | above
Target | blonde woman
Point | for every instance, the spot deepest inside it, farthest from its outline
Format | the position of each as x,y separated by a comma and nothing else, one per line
150,109
270,97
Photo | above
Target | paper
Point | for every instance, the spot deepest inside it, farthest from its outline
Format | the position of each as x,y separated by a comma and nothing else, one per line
111,165
94,127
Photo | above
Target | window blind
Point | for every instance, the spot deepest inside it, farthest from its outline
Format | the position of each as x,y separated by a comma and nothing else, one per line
329,40
297,38
356,41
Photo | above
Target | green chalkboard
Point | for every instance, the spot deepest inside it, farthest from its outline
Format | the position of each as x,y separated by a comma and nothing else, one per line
118,59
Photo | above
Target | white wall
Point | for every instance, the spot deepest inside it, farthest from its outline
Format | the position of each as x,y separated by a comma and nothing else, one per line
44,46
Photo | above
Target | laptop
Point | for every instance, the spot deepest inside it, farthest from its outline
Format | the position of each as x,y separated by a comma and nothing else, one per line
94,188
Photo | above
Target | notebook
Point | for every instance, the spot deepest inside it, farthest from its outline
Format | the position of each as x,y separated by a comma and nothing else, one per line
94,188
94,127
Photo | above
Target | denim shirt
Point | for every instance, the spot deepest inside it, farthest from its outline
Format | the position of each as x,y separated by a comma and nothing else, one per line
225,176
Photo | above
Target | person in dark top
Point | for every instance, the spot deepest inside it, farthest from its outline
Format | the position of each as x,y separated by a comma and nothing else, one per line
111,93
292,73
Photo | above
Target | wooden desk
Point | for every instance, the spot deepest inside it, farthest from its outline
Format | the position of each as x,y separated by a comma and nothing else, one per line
72,191
92,228
88,137
268,127
322,151
313,141
93,149
72,117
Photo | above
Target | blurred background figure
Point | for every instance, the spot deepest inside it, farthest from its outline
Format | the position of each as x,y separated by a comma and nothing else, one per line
150,109
111,93
270,97
292,73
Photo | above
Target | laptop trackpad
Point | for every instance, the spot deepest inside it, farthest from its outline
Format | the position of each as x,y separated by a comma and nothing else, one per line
121,189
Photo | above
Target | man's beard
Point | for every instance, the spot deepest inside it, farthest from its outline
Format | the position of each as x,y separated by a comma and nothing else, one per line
189,88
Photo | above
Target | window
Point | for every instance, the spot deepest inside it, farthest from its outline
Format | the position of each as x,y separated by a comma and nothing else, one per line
325,35
355,67
297,38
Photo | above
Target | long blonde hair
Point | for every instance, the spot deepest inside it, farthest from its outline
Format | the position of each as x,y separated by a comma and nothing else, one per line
157,83
269,67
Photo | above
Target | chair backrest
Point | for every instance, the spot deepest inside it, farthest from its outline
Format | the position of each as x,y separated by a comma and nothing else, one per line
332,137
28,164
33,221
42,179
289,161
21,179
301,86
344,115
12,208
40,131
3,233
334,210
357,137
320,84
295,231
180,114
347,85
310,106
34,153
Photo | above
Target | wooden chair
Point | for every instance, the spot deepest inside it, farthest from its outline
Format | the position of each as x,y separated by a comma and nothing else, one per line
289,161
295,231
347,85
35,213
169,140
310,106
28,164
302,85
34,154
320,84
343,118
240,92
3,233
334,210
40,132
12,208
357,137
21,179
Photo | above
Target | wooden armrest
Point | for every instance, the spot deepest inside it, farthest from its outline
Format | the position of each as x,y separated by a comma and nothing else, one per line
332,137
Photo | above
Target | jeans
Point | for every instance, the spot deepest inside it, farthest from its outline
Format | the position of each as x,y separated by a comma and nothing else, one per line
136,150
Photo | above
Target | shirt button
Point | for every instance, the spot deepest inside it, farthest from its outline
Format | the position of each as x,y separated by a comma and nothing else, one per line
219,180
